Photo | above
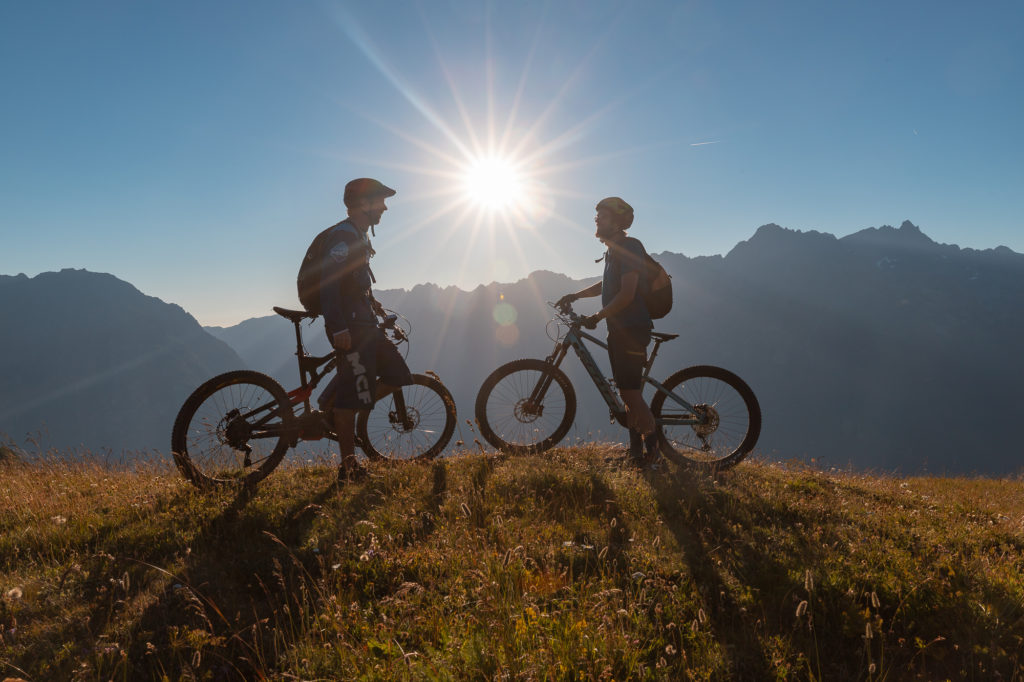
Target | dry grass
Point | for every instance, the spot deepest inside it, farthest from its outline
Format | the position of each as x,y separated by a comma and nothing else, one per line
556,567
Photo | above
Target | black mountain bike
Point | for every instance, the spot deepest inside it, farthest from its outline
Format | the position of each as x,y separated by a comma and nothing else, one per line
706,415
237,426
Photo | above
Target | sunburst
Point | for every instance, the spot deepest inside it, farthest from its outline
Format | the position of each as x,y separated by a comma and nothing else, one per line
493,183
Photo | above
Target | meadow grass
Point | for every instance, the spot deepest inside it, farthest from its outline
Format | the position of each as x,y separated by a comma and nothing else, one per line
564,566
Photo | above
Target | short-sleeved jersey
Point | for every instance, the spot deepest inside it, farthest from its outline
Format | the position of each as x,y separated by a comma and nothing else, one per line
622,257
345,279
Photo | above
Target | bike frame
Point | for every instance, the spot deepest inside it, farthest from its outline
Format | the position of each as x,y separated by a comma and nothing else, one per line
574,339
312,369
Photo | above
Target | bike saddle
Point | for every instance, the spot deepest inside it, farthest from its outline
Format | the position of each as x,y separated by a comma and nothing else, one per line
295,315
663,337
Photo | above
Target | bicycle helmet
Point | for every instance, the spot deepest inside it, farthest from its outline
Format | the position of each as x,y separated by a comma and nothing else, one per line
365,188
621,212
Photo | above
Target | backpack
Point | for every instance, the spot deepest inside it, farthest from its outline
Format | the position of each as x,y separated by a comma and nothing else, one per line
659,292
308,281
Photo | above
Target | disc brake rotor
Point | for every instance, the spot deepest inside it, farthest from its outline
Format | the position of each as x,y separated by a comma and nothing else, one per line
527,412
412,420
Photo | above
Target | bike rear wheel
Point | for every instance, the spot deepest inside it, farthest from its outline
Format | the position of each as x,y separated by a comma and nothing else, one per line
510,417
419,432
234,429
729,414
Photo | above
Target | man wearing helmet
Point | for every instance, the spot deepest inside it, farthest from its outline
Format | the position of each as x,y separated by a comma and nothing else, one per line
629,322
350,317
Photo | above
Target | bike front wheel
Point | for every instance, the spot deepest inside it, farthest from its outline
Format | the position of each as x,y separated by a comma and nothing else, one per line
416,427
525,406
725,421
234,429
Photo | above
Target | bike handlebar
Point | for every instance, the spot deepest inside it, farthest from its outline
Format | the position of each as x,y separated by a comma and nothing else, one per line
391,322
565,311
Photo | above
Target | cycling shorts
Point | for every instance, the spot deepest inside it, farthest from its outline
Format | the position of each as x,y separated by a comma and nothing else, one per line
627,351
371,356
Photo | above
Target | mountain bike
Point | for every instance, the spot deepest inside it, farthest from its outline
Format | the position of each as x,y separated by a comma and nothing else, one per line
237,426
705,415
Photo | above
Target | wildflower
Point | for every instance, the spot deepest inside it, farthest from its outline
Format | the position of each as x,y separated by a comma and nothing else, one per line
670,650
14,593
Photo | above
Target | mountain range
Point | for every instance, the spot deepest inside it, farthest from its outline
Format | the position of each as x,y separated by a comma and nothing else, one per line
88,362
879,350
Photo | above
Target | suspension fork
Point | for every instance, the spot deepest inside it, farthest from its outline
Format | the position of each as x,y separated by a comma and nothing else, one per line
555,359
400,414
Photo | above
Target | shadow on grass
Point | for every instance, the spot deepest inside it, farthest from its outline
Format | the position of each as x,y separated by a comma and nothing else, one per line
679,499
191,605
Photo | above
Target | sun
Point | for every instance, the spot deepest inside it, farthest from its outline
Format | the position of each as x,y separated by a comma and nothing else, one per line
493,183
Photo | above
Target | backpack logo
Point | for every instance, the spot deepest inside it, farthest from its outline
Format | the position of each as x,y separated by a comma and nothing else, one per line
340,252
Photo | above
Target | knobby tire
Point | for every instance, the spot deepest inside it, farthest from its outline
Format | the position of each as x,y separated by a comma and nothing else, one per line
717,392
500,407
207,440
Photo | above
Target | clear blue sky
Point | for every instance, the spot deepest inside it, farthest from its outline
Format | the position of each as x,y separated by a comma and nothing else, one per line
195,148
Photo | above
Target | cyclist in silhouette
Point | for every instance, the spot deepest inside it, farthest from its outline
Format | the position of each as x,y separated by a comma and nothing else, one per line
629,322
350,316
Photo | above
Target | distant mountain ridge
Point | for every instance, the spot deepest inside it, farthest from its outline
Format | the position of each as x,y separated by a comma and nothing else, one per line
881,349
88,361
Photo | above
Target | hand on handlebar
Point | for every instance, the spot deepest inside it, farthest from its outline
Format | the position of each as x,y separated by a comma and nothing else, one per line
590,321
566,301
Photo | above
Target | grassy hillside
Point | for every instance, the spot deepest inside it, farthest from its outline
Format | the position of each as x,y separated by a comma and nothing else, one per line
562,567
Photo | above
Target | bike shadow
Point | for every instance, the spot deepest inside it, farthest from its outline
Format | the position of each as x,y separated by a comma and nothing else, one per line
695,519
243,569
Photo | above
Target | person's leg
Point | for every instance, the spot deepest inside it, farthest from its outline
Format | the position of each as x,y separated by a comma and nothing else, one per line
356,369
392,372
345,428
638,412
384,390
627,350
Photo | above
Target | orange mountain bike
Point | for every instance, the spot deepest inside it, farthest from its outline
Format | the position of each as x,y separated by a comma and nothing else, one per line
237,426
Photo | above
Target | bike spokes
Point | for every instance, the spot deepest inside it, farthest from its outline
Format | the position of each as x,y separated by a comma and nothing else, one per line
415,422
525,406
233,427
724,420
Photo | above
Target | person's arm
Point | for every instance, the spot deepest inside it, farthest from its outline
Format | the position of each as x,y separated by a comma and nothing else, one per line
627,292
591,291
